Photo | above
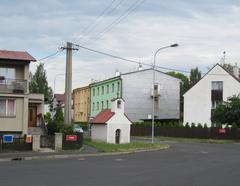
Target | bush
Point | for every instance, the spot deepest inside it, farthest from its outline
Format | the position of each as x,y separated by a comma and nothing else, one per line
187,125
193,125
52,127
205,125
234,125
199,126
219,125
47,117
67,129
228,111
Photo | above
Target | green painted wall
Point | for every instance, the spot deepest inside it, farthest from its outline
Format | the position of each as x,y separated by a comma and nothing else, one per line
103,92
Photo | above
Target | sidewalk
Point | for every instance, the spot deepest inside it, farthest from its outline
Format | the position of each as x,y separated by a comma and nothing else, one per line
82,153
45,154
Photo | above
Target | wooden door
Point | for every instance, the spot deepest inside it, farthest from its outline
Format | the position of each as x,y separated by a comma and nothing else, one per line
32,116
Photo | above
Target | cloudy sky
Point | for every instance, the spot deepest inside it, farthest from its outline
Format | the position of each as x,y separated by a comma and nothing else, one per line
132,29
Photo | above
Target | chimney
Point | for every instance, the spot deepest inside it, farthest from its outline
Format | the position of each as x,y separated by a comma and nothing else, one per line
117,73
236,71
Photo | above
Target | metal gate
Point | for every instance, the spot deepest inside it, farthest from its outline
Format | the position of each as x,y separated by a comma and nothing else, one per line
47,141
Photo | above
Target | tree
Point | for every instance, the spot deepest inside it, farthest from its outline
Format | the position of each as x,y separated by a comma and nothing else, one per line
39,83
58,117
195,76
184,86
184,81
57,123
228,67
228,112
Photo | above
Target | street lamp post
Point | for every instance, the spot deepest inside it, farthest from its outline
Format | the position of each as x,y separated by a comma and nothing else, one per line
153,100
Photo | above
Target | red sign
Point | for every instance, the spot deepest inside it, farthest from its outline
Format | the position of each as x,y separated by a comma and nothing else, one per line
222,131
71,137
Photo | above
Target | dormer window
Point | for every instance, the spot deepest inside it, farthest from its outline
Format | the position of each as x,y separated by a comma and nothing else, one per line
119,104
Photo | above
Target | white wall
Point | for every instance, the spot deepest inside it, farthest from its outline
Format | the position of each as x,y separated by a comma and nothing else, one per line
122,123
107,132
197,101
99,132
118,121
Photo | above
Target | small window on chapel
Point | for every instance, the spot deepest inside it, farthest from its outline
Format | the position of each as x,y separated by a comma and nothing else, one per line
119,104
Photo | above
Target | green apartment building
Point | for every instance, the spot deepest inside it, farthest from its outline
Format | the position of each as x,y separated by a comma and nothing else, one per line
103,92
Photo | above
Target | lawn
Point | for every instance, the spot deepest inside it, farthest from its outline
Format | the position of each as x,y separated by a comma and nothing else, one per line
196,140
133,146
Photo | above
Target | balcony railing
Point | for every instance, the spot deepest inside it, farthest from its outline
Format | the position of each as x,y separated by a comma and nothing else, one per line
15,86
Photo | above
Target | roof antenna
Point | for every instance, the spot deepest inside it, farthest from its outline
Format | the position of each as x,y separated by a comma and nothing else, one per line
223,59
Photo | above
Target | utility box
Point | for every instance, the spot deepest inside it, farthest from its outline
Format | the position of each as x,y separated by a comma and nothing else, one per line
155,90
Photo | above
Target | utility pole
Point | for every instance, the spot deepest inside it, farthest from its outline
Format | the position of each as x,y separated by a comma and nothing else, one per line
68,84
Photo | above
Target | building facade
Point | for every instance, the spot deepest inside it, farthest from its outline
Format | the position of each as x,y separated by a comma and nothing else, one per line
103,92
214,88
137,91
20,111
81,104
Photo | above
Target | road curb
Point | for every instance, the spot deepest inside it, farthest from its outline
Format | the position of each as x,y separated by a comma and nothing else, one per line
64,156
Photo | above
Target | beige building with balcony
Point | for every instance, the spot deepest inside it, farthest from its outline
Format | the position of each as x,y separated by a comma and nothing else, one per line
20,111
81,104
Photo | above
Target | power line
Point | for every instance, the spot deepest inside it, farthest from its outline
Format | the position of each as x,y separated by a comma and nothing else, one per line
49,56
128,60
92,26
137,62
131,9
100,16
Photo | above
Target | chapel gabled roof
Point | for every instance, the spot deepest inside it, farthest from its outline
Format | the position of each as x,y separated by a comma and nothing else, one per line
102,117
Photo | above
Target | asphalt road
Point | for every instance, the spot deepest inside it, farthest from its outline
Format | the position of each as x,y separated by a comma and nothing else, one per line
184,164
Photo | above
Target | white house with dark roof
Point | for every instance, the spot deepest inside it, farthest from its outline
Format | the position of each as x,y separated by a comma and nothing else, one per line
215,87
112,125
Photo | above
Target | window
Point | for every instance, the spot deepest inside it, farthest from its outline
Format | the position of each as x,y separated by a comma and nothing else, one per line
98,91
97,105
118,86
9,73
102,105
113,87
102,89
93,91
93,106
119,104
217,93
7,107
107,103
107,89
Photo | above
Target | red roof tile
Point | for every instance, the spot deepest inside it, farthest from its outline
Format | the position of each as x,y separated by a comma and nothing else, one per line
103,117
60,97
16,55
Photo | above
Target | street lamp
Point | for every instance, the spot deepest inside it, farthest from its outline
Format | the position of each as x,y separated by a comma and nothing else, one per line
153,100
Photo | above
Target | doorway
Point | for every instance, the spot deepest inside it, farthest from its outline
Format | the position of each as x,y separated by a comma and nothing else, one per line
32,116
117,136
